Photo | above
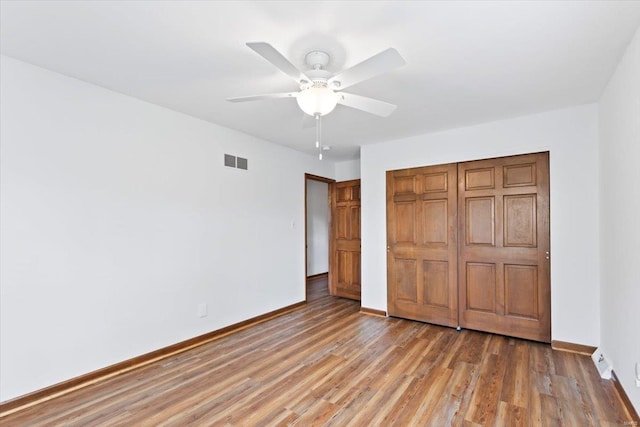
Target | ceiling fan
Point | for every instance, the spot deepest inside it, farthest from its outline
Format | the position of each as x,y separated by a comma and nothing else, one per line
320,90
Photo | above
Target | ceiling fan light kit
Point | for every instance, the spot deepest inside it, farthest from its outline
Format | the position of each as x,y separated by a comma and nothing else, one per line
317,99
320,91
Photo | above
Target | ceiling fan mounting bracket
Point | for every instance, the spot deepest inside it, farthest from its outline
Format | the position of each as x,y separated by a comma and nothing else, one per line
317,59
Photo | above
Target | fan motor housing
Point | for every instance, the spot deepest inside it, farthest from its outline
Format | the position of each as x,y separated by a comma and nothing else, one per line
318,76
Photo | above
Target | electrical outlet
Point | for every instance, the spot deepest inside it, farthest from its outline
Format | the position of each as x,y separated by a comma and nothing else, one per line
202,309
637,374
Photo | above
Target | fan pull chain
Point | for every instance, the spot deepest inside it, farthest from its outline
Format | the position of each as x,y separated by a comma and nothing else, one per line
317,116
319,136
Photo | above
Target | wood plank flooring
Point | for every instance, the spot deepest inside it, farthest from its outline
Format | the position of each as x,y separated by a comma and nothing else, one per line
329,364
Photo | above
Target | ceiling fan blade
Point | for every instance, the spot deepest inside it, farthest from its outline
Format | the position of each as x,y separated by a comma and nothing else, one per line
264,96
370,105
269,53
385,61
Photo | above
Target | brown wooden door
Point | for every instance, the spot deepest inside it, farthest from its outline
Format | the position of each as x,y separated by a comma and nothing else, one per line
503,231
422,248
344,267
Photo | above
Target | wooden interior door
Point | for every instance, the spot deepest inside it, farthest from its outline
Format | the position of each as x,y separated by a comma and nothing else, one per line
344,267
422,244
503,266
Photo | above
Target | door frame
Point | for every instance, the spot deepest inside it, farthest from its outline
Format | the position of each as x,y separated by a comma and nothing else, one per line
328,181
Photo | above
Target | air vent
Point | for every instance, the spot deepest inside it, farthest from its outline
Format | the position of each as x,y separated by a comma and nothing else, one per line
242,163
236,162
230,160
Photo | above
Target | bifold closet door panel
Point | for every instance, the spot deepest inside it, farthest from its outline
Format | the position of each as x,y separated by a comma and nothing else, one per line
421,244
503,232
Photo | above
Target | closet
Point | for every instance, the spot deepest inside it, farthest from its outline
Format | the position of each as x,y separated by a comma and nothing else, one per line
468,245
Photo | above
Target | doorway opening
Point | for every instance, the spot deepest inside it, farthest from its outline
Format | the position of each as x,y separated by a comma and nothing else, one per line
317,233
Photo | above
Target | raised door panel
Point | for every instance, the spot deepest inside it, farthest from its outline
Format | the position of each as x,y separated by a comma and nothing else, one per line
481,287
341,216
355,271
406,271
435,182
404,184
435,222
343,194
405,221
343,271
520,220
479,178
436,286
354,232
348,274
355,192
521,291
480,221
519,175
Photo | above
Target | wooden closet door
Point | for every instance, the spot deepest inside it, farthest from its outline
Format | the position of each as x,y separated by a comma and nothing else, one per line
344,268
421,239
503,266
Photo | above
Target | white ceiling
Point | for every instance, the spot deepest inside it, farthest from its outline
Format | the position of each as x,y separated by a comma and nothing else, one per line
467,62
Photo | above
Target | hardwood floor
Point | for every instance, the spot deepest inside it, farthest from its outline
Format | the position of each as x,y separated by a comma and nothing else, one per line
317,288
329,364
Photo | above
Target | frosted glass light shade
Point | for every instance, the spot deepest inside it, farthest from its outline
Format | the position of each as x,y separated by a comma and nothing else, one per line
317,100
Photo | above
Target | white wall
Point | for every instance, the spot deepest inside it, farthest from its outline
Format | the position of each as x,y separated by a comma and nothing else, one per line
620,218
571,136
317,227
347,170
117,219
